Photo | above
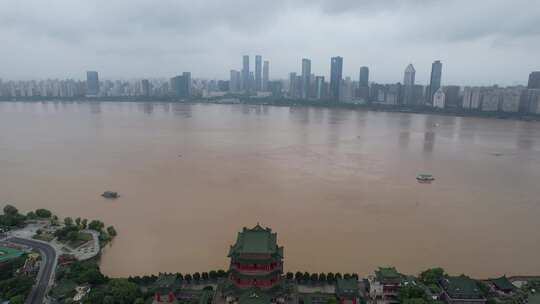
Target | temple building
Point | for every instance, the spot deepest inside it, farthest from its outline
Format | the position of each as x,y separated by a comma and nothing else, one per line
256,265
461,290
347,291
385,285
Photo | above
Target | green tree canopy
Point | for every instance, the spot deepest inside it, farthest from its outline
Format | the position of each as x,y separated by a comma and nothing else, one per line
43,213
10,210
432,275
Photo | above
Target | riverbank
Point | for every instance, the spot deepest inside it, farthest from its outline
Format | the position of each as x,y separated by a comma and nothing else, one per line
285,102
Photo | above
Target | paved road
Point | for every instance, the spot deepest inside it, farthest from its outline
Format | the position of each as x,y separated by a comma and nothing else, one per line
37,295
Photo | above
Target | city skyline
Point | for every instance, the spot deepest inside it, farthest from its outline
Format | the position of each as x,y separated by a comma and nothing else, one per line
175,36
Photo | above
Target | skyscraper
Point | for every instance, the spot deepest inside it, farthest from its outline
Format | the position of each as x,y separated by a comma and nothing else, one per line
534,80
408,76
145,87
336,75
245,73
234,82
266,75
364,76
306,73
181,85
319,87
435,79
292,85
258,72
92,83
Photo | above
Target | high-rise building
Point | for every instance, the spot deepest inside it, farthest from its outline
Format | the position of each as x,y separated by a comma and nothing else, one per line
92,83
181,85
235,81
245,73
336,76
306,73
363,81
258,73
451,96
439,99
145,87
408,76
319,87
534,80
435,79
266,75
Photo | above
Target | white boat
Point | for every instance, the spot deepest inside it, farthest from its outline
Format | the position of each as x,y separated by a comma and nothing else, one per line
425,178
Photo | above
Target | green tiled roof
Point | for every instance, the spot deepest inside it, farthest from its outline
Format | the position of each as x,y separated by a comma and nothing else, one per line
387,273
502,283
347,287
257,240
461,287
7,254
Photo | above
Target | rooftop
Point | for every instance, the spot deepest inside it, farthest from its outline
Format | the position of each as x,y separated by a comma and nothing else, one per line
7,254
502,283
387,273
257,240
461,287
347,287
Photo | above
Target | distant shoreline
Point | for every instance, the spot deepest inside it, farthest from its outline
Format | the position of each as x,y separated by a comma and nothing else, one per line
284,102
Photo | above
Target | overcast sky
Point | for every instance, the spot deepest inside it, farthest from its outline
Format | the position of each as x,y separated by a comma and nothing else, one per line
478,41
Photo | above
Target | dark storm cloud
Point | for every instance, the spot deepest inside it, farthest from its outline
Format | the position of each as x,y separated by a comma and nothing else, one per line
133,37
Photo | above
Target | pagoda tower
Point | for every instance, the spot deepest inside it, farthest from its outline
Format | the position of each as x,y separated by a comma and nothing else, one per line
256,259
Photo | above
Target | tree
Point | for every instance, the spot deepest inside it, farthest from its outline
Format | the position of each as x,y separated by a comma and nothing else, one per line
96,225
84,223
347,276
31,215
411,292
355,276
43,213
111,231
204,276
298,276
179,276
213,275
322,277
338,275
73,236
188,278
123,291
290,276
432,276
68,221
18,299
10,210
305,277
314,278
221,273
78,222
197,277
330,277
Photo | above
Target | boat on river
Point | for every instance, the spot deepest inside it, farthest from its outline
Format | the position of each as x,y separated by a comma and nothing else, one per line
425,178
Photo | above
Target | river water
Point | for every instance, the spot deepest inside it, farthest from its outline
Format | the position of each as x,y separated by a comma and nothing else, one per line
338,186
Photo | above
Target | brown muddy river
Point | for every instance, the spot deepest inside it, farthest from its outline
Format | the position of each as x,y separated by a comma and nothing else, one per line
337,185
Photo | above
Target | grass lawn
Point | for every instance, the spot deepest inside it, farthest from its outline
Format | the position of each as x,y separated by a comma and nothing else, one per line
47,237
82,239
